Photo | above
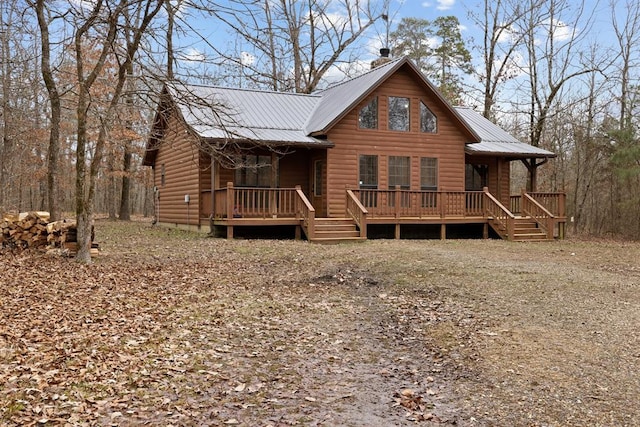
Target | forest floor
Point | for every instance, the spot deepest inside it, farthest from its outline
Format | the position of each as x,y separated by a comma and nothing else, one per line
172,328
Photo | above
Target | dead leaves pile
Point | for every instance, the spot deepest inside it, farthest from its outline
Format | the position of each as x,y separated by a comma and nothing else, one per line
208,332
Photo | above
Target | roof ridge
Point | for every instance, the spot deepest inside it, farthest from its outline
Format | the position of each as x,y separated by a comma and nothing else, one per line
241,89
375,69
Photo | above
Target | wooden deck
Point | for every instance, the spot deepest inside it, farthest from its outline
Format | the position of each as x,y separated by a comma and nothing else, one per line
530,216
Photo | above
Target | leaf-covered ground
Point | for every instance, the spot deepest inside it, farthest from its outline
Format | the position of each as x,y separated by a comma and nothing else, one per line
170,328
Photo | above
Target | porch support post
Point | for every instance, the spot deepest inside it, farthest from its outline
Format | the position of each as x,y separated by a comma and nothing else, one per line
230,209
443,231
275,183
213,188
532,167
397,231
485,231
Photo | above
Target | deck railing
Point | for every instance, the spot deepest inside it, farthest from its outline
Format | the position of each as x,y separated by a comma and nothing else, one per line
553,202
306,212
499,215
363,205
514,204
539,214
399,203
357,211
245,202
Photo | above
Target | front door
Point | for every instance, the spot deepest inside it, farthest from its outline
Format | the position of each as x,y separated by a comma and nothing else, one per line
318,187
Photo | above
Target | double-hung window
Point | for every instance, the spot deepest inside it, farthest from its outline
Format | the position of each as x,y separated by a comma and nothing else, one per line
400,176
368,175
429,180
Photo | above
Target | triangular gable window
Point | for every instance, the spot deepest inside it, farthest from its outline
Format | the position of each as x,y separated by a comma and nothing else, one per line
428,120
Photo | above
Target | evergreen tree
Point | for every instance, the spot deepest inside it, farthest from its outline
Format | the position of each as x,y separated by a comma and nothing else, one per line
438,49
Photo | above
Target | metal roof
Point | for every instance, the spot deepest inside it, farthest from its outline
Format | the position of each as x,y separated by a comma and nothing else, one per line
225,113
289,118
343,96
495,140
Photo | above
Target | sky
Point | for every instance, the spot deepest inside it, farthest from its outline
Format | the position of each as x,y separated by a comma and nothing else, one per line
598,13
432,9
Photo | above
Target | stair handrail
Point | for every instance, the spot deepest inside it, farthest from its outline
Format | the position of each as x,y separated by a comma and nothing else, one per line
357,211
538,213
499,213
306,212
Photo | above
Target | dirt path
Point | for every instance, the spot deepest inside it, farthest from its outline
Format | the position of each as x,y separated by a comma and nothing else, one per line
169,328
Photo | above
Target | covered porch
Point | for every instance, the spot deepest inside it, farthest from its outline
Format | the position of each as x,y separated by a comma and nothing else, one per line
528,216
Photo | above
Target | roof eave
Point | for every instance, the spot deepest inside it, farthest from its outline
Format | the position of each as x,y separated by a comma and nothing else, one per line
511,154
267,143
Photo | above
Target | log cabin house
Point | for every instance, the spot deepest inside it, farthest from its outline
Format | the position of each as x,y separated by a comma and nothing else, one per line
381,152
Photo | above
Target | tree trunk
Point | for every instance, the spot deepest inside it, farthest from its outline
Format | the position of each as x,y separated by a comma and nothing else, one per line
125,205
53,155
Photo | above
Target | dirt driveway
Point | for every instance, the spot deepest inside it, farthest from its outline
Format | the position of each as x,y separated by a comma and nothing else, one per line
169,328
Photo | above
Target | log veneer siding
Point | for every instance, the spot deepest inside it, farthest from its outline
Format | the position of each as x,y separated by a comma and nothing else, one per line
181,160
447,144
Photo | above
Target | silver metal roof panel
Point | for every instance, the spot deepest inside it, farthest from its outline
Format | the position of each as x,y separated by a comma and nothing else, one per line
343,96
224,113
495,140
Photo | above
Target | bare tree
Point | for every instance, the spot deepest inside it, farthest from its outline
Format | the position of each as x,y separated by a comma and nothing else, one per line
290,45
627,35
45,20
96,30
554,59
501,44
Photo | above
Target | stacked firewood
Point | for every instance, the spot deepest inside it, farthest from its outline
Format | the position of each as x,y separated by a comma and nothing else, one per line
24,230
32,230
64,235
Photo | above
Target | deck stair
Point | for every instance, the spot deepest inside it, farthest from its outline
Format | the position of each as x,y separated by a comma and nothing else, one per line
525,228
335,230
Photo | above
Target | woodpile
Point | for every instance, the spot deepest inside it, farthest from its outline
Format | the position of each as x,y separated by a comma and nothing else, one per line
32,230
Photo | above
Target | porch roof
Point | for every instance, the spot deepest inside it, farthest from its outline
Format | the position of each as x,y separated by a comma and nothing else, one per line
495,140
267,117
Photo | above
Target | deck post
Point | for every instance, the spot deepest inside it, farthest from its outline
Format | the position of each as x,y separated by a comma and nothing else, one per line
213,188
485,230
230,201
396,196
275,183
298,235
397,231
443,231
